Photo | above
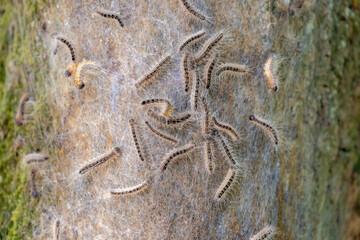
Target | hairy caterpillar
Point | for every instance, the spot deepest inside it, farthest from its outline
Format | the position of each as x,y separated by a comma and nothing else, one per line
194,12
110,15
34,192
266,233
130,190
206,118
57,230
35,157
270,70
208,70
225,148
136,141
169,107
209,161
192,39
177,153
209,45
223,189
168,121
226,128
160,134
143,80
19,118
185,67
195,93
98,161
68,44
270,130
231,68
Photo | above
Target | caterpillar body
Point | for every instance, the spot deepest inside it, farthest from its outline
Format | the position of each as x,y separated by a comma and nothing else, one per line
270,70
226,128
270,130
57,230
209,160
110,15
130,190
192,39
168,121
231,68
185,67
135,138
19,118
208,70
98,161
160,134
68,44
35,158
226,184
266,233
176,154
192,11
225,148
196,91
166,111
206,119
209,45
34,192
146,78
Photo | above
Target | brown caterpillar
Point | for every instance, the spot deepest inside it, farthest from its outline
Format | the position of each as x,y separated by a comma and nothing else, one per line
33,189
68,44
226,128
208,70
270,130
266,233
209,45
270,70
57,230
153,72
136,141
98,161
110,15
225,148
225,185
194,12
185,67
19,118
169,107
160,134
130,190
209,161
206,119
192,39
195,94
168,121
177,153
35,157
231,68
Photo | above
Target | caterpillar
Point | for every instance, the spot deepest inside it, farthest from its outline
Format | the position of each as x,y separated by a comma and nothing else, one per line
185,67
169,107
168,121
223,189
192,39
57,230
231,68
98,161
177,153
192,11
209,45
208,70
270,130
136,141
225,148
226,128
160,134
19,118
270,70
266,233
34,192
153,72
77,79
68,44
35,157
206,119
130,190
110,15
209,161
195,94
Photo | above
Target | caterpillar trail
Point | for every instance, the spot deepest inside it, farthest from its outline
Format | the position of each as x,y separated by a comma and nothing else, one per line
185,67
110,15
166,111
98,161
68,44
146,78
265,234
195,93
176,154
209,45
208,70
168,121
231,68
135,138
270,130
225,148
35,158
19,118
130,190
225,186
192,39
33,189
226,128
209,160
270,70
160,134
193,11
57,230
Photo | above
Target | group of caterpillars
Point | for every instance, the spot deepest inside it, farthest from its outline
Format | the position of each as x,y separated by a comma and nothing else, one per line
211,127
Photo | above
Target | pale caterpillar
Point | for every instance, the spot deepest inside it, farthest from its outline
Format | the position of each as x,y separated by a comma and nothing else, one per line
224,147
192,39
209,160
130,190
136,141
147,77
231,68
19,118
185,67
270,130
98,161
270,70
196,89
209,45
175,154
225,186
168,121
208,70
34,192
226,128
194,12
265,234
166,111
160,134
35,157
